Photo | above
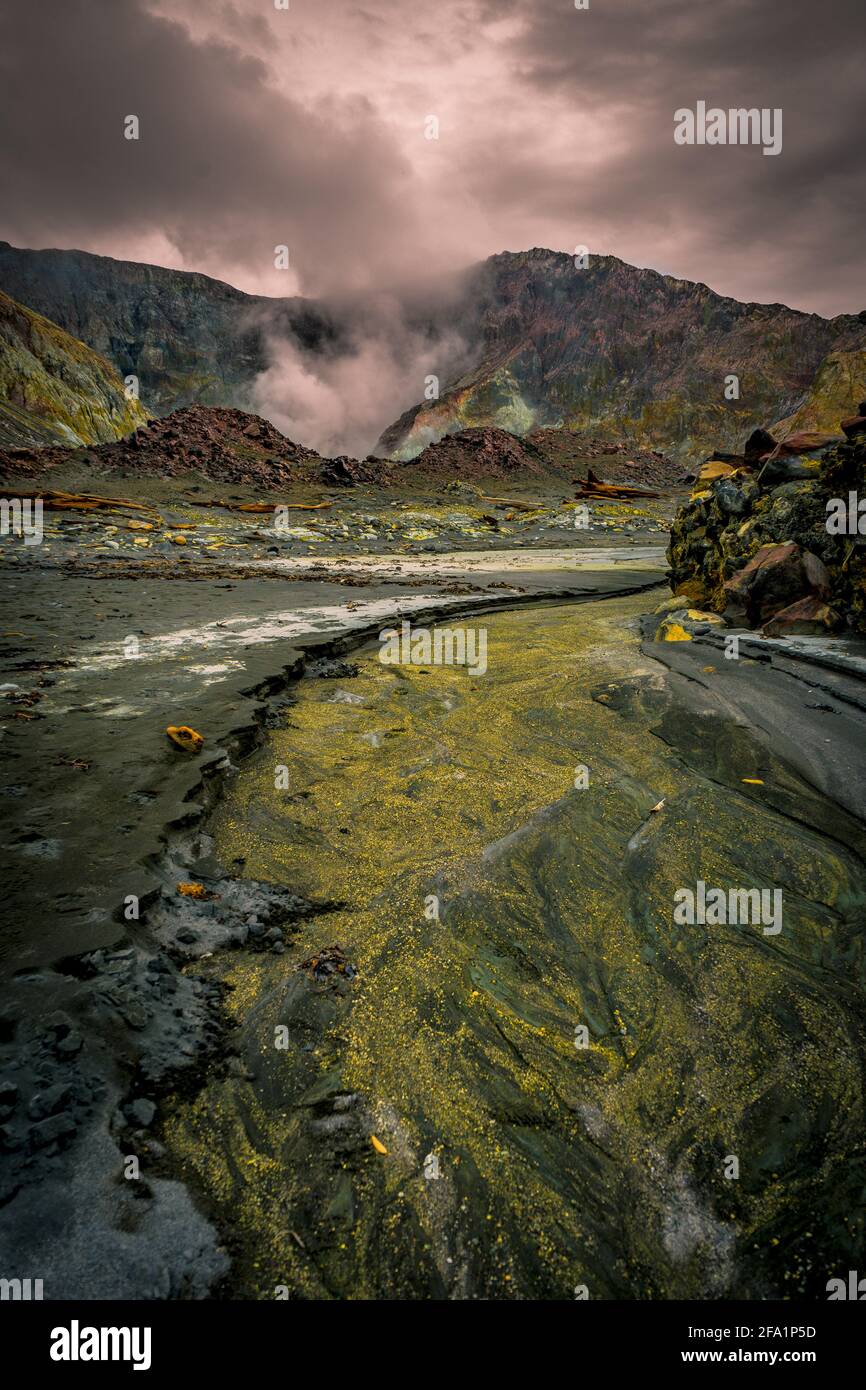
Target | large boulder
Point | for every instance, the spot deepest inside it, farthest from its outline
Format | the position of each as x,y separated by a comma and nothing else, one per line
856,424
806,442
808,617
775,577
759,443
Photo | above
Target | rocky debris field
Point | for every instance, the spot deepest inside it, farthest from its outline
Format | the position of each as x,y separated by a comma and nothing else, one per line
232,446
224,444
757,541
620,462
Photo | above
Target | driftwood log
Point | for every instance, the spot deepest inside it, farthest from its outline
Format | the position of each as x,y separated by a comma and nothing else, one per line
594,488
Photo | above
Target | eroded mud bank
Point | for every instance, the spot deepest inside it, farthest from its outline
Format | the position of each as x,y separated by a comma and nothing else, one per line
454,1042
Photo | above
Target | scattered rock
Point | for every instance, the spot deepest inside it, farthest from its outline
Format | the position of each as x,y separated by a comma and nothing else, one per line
56,1129
140,1113
331,960
49,1101
809,616
759,443
185,737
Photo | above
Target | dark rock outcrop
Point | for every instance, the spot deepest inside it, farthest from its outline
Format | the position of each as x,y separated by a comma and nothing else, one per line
757,547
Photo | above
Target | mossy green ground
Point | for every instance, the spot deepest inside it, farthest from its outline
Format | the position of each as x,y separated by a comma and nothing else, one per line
560,1166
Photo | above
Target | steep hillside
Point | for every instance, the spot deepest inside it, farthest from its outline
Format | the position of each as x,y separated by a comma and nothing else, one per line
620,351
53,389
840,380
610,351
187,338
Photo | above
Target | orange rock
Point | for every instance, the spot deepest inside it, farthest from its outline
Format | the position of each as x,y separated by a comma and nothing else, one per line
185,737
192,890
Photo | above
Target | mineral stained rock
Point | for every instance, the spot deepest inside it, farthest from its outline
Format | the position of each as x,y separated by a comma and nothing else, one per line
756,545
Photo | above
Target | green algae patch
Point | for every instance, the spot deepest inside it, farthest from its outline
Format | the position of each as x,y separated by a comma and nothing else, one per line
559,1073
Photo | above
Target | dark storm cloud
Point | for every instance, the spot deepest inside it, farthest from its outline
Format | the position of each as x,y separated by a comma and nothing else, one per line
227,165
790,224
305,127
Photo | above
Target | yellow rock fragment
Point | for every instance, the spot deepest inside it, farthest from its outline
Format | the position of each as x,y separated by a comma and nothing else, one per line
192,890
715,469
185,737
139,526
378,1145
672,632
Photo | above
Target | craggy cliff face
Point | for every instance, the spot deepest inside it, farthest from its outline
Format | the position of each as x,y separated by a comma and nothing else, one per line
188,338
609,348
620,350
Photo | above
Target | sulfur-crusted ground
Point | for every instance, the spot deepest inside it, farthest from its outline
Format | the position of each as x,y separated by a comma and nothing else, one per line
450,1040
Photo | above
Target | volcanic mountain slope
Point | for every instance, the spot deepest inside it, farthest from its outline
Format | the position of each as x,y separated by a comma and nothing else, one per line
610,350
53,389
839,382
486,452
623,352
186,337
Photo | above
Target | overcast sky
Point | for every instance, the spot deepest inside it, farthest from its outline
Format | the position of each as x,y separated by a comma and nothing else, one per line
306,127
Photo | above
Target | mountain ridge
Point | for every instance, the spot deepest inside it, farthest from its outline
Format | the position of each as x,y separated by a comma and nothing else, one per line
614,350
623,351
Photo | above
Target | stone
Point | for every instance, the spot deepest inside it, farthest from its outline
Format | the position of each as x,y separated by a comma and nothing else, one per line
714,468
55,1128
786,469
140,1112
807,442
855,424
669,631
759,442
47,1102
730,499
807,617
776,576
817,574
